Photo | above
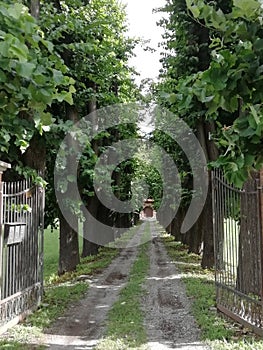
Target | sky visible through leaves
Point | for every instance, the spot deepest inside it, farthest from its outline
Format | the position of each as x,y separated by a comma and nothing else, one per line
142,22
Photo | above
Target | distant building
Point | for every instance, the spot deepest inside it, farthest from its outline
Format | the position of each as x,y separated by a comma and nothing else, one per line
148,210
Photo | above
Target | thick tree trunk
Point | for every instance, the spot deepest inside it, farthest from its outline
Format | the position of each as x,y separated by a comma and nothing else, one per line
136,218
35,8
208,259
93,236
249,252
177,224
89,247
89,236
68,247
196,236
204,131
168,228
35,155
69,244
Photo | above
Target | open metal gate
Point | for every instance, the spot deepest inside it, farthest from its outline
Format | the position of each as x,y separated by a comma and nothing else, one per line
239,250
21,249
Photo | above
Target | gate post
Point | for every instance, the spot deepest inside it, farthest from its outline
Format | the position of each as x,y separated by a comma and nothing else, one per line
3,167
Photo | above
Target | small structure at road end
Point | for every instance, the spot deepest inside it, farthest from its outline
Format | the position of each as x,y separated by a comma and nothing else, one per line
148,209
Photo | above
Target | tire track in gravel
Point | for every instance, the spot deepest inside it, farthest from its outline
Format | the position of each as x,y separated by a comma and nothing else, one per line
168,320
83,324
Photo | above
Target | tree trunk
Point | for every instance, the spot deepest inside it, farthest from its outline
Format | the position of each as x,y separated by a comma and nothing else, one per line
249,252
89,236
177,224
196,236
93,237
204,131
89,247
35,8
168,229
35,155
68,247
208,259
69,244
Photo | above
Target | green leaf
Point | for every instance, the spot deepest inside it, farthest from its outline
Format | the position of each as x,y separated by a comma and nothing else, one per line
58,76
4,48
238,180
46,119
193,8
255,115
195,11
207,99
19,50
247,6
25,69
247,133
65,96
16,10
172,98
2,76
258,44
165,95
249,160
233,166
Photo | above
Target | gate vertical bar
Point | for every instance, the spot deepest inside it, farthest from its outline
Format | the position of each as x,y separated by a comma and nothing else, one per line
3,167
214,203
260,189
41,203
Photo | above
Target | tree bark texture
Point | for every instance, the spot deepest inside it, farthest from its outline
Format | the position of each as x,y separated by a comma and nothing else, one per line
249,277
69,244
35,8
68,247
204,131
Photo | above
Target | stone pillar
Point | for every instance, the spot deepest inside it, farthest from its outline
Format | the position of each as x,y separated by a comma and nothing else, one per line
3,167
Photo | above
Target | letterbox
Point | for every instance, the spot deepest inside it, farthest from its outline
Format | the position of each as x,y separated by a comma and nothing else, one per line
14,232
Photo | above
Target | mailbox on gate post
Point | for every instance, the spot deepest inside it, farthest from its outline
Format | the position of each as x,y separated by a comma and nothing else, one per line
14,232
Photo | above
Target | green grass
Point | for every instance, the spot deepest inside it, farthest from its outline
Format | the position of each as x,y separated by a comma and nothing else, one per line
87,266
220,333
55,302
17,346
125,327
51,253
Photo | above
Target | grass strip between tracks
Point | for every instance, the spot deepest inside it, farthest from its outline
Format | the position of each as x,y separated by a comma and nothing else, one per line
125,328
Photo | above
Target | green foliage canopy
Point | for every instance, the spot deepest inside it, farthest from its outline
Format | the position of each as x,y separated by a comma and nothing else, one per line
228,91
32,77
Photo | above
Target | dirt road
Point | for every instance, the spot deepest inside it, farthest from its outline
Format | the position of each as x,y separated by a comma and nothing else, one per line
168,321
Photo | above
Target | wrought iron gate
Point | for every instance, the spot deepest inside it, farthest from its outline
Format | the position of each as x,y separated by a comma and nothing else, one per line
21,248
239,250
